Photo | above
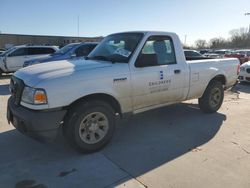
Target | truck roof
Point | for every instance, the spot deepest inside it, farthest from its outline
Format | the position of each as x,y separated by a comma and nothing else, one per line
149,32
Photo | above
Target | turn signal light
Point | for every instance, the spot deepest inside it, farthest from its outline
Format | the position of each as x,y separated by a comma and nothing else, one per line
40,97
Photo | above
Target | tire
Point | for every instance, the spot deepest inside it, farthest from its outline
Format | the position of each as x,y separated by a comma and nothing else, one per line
212,98
89,126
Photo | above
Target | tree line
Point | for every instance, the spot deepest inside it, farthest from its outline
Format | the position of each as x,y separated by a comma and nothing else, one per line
239,38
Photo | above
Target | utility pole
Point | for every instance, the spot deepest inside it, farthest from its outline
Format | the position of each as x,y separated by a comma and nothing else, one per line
78,27
248,14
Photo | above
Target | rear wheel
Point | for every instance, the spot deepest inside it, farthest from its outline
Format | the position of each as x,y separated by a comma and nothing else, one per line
89,126
212,98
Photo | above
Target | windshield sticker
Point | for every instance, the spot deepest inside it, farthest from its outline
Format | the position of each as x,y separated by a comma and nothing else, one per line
122,52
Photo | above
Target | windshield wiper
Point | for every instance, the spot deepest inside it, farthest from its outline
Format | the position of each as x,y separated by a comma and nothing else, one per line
100,57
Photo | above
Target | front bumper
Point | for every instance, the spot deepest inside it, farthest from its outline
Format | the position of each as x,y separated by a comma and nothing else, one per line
244,77
41,125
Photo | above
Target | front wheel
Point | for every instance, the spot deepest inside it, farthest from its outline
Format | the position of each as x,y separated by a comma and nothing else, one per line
89,126
212,98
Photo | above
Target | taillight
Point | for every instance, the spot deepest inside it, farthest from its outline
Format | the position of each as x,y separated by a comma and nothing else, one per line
238,69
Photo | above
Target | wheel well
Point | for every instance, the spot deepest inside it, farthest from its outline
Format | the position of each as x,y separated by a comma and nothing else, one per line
103,97
219,78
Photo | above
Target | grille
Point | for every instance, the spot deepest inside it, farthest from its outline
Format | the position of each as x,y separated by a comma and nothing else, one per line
16,89
248,78
248,70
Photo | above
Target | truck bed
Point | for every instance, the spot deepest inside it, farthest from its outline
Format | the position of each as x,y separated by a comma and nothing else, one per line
197,58
206,69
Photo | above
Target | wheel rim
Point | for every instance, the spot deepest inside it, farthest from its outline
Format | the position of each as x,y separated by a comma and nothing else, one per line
215,97
93,128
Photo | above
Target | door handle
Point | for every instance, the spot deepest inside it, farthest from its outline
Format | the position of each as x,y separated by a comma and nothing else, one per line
177,71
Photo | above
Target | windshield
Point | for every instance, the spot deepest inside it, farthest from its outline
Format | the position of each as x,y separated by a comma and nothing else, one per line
117,47
7,51
65,49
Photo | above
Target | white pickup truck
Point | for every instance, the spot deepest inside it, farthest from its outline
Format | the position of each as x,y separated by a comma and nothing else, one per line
127,73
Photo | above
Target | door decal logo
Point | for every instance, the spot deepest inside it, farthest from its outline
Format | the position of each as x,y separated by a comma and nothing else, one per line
161,75
119,79
160,85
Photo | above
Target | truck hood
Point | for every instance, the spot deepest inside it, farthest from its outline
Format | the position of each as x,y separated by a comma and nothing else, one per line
32,75
46,59
247,64
41,59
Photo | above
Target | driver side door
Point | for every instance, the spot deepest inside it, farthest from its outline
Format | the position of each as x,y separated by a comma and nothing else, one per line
157,77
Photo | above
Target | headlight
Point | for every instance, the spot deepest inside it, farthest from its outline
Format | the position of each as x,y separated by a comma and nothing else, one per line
34,96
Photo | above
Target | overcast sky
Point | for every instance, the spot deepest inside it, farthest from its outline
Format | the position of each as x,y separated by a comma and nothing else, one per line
197,19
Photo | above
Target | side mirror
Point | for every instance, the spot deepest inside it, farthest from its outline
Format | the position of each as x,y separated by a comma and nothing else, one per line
139,62
146,60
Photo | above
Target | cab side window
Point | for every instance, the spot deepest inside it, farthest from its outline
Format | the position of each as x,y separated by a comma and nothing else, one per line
48,51
158,50
82,51
19,52
38,51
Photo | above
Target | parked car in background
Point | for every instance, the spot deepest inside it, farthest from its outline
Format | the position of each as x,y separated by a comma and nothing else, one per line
242,55
14,58
245,51
204,51
193,55
244,75
222,52
69,51
2,51
210,54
